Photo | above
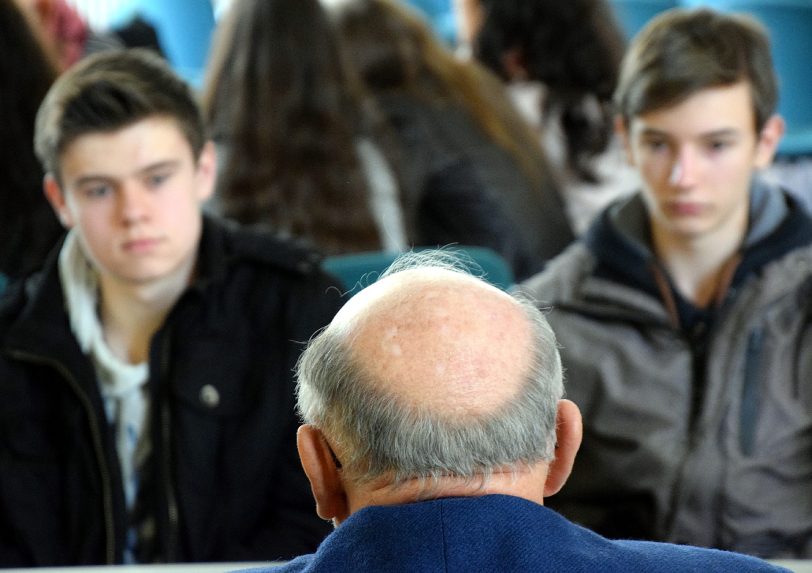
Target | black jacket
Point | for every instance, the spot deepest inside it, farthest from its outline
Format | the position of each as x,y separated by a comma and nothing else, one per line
226,481
472,192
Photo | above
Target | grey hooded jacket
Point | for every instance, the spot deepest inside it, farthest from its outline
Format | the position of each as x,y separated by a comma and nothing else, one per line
697,434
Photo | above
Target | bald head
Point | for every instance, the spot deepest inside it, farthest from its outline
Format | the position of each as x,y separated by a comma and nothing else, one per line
433,383
440,341
431,373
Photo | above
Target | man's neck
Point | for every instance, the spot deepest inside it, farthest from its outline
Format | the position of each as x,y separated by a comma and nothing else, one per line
700,267
131,314
525,482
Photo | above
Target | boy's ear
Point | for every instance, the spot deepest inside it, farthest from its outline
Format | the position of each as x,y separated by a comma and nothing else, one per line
55,196
768,140
206,171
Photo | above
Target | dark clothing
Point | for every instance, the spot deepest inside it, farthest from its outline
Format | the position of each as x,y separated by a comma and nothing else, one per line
492,199
27,233
696,421
226,481
456,210
496,533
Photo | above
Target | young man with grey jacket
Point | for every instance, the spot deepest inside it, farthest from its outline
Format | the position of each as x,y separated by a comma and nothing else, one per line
684,314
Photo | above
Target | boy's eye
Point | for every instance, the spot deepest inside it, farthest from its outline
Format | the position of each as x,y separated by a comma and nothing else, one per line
718,145
97,191
655,145
157,179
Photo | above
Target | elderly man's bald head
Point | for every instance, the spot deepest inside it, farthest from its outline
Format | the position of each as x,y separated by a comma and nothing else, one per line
432,372
439,340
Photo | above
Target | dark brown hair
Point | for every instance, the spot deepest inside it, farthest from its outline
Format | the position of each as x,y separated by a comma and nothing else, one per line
574,48
394,49
289,111
111,90
682,52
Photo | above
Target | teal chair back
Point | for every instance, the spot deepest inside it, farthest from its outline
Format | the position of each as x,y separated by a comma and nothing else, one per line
184,29
358,270
789,23
632,15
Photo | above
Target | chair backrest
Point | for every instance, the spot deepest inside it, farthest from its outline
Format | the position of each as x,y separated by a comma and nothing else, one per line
440,14
184,29
359,270
789,23
634,14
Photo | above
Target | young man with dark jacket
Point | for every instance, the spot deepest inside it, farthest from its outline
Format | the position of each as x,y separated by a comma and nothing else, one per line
146,394
684,314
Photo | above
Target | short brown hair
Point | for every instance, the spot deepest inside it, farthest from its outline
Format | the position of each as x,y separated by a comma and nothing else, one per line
682,52
109,91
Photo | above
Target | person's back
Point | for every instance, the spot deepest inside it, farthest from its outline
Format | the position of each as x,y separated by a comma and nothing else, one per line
684,314
299,149
442,108
561,65
145,372
28,227
435,432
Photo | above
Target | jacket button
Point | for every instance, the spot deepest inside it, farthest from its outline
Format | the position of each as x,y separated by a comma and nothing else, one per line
209,396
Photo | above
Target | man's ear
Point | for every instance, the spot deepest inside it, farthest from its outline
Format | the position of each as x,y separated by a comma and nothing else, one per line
324,475
768,140
206,171
622,131
568,432
55,196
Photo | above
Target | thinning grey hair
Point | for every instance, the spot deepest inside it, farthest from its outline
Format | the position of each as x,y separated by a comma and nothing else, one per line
379,435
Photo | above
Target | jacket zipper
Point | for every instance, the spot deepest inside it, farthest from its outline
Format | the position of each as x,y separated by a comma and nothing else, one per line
750,399
107,488
166,431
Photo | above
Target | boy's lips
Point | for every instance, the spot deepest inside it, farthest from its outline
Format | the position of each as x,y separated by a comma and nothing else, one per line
685,208
141,245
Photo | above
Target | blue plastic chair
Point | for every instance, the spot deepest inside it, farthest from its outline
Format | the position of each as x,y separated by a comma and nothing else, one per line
184,29
790,25
441,16
634,14
359,270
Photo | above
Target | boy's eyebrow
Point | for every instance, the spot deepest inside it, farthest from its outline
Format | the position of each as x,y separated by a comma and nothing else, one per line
169,163
722,132
101,178
88,179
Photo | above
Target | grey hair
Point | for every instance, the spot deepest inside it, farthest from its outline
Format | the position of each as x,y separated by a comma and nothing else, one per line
379,435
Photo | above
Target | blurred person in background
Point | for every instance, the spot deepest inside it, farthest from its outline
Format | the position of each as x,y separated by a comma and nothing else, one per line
298,146
561,61
64,33
304,151
442,107
28,227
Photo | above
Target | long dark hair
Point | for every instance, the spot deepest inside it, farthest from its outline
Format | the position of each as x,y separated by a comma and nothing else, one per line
574,48
281,97
395,50
28,226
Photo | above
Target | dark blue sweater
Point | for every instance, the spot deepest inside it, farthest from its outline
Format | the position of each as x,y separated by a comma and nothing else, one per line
496,533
